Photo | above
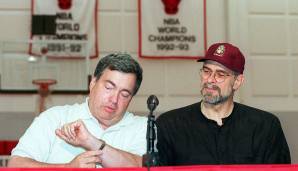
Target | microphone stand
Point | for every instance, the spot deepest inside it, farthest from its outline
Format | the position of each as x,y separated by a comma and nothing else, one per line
151,157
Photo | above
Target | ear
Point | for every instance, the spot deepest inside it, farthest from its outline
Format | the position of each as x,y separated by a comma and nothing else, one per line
238,81
92,83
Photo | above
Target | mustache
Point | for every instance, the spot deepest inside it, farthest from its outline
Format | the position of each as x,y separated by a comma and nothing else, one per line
212,86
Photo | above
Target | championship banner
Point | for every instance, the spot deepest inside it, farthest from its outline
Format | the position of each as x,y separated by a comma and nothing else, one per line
64,28
172,28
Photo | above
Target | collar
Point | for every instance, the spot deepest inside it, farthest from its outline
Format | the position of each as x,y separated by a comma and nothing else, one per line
224,119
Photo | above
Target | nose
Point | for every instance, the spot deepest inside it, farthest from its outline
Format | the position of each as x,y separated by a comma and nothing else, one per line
211,78
114,97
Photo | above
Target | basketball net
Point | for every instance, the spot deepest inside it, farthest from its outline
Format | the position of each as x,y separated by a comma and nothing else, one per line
43,89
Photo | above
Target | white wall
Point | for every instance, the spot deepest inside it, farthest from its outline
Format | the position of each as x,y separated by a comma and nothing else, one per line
264,30
118,30
268,36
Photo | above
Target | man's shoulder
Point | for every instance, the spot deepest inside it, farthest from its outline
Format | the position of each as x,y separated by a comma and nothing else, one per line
63,111
131,118
136,117
255,113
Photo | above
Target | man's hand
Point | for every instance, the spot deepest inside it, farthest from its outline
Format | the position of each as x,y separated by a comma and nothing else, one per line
88,159
76,133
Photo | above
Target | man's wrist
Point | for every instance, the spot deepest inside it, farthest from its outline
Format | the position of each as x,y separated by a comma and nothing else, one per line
91,143
94,143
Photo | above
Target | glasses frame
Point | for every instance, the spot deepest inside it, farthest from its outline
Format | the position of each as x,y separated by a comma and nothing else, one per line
219,76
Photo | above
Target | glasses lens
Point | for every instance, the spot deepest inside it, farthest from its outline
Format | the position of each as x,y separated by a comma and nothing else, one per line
204,73
218,76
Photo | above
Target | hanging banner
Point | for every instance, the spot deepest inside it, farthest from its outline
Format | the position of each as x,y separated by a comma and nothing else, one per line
172,28
64,28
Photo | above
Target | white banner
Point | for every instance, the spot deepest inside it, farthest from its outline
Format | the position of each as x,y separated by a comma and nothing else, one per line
76,28
172,28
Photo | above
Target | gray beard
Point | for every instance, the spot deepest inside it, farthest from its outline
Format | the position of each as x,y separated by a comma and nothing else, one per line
214,100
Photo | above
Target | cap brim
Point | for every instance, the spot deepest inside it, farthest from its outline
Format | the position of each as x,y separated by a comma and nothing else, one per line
202,59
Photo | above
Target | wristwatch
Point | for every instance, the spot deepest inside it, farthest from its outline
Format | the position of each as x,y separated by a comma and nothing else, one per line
103,144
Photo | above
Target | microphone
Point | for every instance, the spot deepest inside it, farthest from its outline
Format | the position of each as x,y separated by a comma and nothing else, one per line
151,157
152,102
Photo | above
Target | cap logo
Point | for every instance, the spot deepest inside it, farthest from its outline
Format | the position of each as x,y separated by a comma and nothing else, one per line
220,50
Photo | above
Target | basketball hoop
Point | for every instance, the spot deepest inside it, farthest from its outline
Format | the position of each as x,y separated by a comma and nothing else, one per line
43,90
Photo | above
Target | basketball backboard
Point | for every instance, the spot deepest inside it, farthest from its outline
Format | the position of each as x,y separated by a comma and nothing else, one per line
18,69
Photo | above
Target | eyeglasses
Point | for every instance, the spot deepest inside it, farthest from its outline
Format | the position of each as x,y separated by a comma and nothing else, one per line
219,76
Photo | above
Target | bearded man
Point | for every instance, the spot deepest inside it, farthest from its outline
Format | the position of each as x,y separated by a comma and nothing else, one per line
218,130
